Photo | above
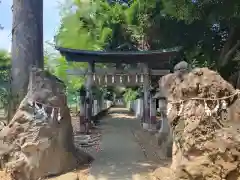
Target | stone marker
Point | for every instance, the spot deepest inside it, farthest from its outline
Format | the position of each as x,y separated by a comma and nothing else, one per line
206,141
38,141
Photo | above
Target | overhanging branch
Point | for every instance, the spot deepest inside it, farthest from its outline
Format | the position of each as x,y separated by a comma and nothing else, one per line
229,54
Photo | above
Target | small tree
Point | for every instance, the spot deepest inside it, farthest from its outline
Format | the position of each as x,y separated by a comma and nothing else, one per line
4,80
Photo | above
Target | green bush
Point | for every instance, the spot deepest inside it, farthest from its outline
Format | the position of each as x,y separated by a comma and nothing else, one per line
130,95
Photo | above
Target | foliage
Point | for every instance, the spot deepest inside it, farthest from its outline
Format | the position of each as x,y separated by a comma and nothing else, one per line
101,25
89,28
58,66
80,29
207,31
130,95
4,78
217,38
212,11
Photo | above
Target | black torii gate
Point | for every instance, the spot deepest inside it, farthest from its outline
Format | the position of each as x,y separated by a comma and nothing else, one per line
152,63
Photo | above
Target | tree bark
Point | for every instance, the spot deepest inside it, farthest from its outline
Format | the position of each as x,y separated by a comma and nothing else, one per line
230,53
27,43
230,47
228,43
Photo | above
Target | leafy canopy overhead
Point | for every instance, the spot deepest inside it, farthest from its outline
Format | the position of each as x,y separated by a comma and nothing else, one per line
221,19
207,30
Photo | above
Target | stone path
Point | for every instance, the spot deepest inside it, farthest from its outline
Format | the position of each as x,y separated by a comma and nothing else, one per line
120,157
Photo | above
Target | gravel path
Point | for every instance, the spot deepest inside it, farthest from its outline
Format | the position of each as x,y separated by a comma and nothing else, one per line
120,156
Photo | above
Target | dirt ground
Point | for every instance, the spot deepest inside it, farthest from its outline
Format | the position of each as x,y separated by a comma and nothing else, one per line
4,176
146,141
152,151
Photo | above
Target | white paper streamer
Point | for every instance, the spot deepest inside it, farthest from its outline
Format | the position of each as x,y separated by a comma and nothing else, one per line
169,108
53,112
181,109
44,112
224,104
215,110
36,106
30,103
59,115
207,110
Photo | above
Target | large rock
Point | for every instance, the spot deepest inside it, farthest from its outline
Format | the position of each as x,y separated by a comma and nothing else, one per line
163,173
38,141
206,140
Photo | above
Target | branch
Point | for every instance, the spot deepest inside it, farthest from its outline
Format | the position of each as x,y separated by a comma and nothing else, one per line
228,43
229,54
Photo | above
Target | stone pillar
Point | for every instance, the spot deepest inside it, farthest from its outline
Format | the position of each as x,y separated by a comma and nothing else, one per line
153,111
114,98
162,107
95,107
181,68
146,108
89,99
164,135
137,108
141,108
165,128
163,125
102,103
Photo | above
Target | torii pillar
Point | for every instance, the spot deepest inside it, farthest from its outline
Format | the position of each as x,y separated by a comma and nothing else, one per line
146,108
82,113
89,99
153,111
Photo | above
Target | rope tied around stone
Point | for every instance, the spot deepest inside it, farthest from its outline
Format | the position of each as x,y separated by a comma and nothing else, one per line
40,108
205,99
178,126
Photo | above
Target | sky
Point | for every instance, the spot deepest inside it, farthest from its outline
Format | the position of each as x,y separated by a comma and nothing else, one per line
51,21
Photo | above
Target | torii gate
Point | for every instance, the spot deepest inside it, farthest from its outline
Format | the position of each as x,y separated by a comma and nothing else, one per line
153,63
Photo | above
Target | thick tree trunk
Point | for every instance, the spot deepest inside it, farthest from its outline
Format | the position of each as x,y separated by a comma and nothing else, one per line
27,43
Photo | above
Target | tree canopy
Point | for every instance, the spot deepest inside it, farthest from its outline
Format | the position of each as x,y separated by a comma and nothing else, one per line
202,28
207,31
217,37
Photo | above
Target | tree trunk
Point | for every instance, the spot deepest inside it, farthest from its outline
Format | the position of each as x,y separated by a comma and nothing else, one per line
230,47
229,42
27,43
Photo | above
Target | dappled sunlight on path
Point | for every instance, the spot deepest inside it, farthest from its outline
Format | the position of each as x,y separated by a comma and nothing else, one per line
120,157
